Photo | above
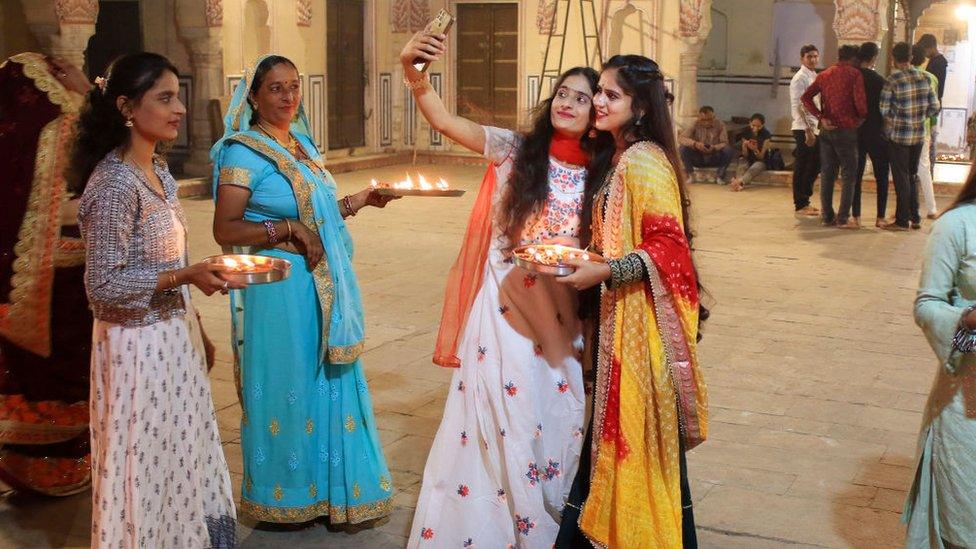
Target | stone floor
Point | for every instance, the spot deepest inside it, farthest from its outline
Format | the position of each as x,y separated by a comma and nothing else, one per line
816,372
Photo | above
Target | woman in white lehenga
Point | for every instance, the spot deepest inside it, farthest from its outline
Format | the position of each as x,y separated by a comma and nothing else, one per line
503,459
159,478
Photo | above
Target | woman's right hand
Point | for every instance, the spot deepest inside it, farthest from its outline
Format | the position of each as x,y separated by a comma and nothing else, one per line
308,243
425,45
206,277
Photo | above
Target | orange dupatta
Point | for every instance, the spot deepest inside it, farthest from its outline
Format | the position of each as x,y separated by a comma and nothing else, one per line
464,279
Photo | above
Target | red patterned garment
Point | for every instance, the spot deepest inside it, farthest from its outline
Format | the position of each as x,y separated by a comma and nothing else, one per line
841,90
45,324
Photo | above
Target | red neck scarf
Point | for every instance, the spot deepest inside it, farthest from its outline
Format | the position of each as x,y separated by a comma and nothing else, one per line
568,150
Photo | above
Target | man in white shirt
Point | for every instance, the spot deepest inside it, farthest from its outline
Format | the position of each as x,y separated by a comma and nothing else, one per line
806,155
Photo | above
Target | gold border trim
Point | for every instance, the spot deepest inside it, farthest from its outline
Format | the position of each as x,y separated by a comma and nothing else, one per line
346,355
337,514
36,69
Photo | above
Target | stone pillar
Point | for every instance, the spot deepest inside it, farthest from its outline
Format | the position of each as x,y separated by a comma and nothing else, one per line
63,27
695,24
206,64
199,25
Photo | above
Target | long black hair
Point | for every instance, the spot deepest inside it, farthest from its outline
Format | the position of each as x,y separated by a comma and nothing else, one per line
101,126
642,79
528,186
260,72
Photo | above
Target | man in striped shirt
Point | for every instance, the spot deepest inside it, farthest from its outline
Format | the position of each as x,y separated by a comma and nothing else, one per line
906,101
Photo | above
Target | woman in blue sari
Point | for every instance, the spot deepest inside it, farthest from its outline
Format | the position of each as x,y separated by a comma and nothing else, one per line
308,435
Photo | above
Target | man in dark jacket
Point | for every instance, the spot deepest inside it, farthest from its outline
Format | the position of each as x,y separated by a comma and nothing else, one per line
870,135
939,66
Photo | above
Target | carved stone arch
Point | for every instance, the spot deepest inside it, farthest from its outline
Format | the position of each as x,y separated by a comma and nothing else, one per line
859,21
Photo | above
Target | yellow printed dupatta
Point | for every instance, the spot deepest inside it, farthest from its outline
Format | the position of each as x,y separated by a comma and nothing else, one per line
649,388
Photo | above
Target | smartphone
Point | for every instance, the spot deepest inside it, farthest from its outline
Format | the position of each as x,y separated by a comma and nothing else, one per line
439,25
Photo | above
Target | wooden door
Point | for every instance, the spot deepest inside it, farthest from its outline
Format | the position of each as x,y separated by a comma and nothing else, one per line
488,63
346,74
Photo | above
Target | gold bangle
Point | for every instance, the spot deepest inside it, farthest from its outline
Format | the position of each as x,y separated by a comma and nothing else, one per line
172,279
414,85
288,224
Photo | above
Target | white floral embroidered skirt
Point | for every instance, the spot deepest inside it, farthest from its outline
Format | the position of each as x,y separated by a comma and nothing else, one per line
507,449
159,478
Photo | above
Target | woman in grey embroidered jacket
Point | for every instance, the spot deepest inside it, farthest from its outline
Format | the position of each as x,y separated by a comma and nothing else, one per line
159,475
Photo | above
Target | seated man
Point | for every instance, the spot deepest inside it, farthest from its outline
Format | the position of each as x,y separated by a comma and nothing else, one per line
756,140
706,145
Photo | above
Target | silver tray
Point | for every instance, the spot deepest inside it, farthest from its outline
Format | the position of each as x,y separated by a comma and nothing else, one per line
387,191
559,269
279,269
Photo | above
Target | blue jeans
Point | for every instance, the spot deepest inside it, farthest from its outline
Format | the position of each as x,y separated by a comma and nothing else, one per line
692,158
838,153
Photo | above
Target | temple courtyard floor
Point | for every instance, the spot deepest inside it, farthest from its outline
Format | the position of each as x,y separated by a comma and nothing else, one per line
817,374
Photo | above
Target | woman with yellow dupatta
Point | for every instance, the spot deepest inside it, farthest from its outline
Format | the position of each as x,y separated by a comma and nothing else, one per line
650,402
308,435
45,325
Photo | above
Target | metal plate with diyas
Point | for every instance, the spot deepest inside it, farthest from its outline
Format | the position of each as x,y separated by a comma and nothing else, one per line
251,269
523,257
387,191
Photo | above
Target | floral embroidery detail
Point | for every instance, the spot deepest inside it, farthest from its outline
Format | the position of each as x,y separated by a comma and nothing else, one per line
552,470
278,492
257,391
385,483
562,386
323,453
427,533
538,430
502,431
532,474
503,309
468,543
482,352
463,490
313,491
334,392
464,438
292,397
511,389
293,461
361,386
336,458
461,386
529,280
323,386
523,524
578,433
309,426
350,423
355,490
259,456
500,494
275,427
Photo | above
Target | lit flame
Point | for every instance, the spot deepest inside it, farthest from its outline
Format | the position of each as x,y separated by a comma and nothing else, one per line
242,263
409,184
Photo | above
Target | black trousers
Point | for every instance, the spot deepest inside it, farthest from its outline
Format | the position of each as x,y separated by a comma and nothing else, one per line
876,147
904,170
806,168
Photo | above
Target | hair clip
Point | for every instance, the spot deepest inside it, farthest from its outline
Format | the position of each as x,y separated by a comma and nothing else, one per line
101,82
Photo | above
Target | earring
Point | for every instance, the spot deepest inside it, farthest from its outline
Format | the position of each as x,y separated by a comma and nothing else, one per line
638,123
128,122
592,133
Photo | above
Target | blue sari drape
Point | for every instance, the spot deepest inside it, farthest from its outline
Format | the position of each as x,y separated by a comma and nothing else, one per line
308,434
